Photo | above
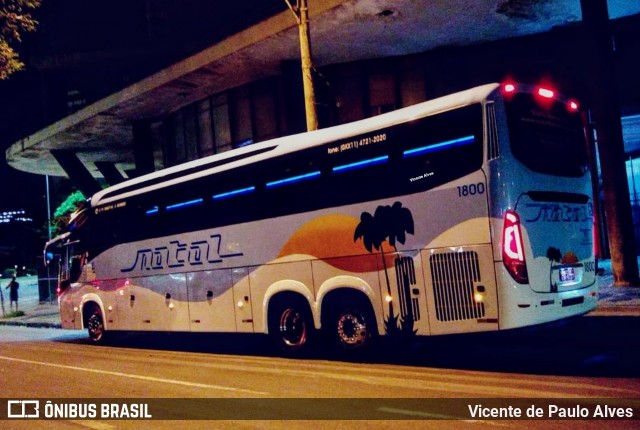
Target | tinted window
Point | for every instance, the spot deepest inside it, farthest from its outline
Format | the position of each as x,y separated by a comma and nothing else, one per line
546,136
394,161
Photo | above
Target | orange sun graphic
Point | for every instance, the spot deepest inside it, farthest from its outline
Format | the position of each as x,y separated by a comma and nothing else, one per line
329,237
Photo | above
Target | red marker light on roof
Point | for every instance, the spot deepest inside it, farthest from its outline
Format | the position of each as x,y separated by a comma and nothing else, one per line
509,88
573,105
546,93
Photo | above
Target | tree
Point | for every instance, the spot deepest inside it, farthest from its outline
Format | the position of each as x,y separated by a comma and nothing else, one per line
555,256
63,213
301,12
15,19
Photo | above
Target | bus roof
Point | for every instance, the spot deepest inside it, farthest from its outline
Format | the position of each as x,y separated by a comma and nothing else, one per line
285,145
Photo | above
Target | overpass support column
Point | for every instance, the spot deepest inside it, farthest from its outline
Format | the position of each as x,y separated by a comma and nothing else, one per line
76,171
606,112
143,147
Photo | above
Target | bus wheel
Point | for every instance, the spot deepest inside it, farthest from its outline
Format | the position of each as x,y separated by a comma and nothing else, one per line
291,325
351,325
95,325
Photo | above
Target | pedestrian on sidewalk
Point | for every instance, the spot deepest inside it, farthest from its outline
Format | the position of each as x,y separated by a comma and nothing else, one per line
13,292
2,301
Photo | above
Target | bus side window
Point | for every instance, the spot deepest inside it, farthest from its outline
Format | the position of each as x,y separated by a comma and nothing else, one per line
76,268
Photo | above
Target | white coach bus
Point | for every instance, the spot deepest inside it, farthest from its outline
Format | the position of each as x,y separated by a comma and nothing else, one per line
470,212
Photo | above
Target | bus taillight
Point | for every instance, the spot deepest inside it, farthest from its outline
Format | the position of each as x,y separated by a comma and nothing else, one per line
62,287
512,249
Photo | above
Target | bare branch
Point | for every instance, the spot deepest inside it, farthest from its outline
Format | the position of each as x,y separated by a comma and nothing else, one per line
295,9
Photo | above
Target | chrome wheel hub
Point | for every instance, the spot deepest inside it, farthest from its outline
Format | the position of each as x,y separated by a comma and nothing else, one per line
293,328
352,331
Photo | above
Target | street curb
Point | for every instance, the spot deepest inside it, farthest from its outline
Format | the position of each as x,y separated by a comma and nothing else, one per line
615,311
31,324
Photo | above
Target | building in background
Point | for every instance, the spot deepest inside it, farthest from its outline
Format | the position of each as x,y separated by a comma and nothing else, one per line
18,236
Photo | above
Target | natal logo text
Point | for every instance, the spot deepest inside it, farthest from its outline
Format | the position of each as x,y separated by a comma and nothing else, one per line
177,254
559,213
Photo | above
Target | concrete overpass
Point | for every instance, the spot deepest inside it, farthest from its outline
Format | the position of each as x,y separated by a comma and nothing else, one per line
101,137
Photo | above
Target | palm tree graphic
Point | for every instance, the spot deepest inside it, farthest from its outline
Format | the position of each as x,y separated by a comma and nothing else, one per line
391,224
554,255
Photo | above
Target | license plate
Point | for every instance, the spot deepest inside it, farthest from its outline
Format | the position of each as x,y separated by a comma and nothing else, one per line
567,274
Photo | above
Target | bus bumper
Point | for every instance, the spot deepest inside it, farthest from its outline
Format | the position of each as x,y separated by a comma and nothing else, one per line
520,306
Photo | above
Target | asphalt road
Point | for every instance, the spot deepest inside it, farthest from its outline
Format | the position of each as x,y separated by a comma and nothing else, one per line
43,363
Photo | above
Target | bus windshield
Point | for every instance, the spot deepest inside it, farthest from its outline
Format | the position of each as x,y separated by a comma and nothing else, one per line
546,136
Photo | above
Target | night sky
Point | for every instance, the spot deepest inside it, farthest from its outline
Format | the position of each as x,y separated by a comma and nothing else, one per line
86,47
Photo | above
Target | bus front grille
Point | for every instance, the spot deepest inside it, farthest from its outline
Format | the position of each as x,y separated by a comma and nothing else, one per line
454,275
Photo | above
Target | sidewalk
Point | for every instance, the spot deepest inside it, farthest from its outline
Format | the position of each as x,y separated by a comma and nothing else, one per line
36,314
41,315
614,301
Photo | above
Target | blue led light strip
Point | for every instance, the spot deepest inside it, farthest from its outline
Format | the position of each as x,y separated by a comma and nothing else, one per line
234,193
363,163
438,146
154,210
184,204
293,179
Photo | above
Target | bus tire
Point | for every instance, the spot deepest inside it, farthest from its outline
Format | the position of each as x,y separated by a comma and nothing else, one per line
291,326
350,324
94,322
